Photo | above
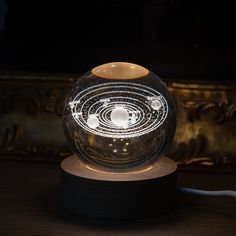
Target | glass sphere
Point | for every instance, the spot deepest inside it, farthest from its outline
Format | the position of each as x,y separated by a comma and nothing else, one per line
119,116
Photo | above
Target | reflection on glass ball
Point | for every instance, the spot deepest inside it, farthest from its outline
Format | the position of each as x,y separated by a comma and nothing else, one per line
119,116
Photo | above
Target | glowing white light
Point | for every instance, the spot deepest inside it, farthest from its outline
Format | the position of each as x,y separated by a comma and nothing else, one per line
133,117
119,109
93,122
77,114
156,104
120,117
105,101
73,104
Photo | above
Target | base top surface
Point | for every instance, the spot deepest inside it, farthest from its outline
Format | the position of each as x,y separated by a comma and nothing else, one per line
74,166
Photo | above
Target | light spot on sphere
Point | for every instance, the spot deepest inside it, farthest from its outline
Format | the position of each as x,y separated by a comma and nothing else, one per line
93,122
156,105
120,117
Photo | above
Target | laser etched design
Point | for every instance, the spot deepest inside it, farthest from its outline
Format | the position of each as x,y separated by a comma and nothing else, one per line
119,110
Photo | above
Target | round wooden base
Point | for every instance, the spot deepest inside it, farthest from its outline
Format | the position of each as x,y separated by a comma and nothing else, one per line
134,194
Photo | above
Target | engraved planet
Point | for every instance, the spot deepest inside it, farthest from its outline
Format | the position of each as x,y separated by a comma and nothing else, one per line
119,110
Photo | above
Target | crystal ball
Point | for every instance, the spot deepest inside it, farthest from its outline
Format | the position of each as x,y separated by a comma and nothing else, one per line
119,116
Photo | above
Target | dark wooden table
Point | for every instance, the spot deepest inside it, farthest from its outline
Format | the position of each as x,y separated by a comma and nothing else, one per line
29,206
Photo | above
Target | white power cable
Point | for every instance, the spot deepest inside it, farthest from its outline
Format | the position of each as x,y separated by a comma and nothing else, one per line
218,193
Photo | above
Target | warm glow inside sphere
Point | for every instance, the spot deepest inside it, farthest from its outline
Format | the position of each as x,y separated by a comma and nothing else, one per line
119,116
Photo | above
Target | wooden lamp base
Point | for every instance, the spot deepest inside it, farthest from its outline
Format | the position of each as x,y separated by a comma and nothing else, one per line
135,194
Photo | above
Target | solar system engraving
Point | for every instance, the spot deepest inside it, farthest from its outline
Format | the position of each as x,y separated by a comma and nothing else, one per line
119,110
